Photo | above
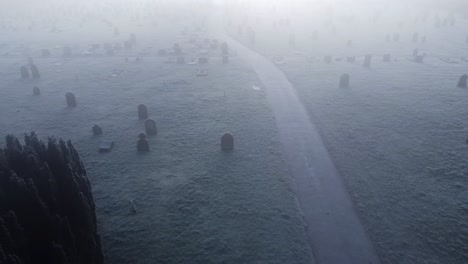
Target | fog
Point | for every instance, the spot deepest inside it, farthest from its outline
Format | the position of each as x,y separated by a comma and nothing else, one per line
233,131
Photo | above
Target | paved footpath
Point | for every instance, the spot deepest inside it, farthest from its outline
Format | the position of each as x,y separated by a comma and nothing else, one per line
333,227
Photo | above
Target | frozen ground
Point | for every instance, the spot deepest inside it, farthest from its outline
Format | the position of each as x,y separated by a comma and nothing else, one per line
195,203
397,135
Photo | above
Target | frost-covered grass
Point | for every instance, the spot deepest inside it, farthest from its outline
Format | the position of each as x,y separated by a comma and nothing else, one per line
398,134
195,203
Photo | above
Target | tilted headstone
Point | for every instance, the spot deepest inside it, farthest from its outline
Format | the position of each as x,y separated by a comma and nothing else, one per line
227,142
142,112
367,60
36,91
24,72
35,72
97,130
142,143
71,99
344,80
462,82
150,127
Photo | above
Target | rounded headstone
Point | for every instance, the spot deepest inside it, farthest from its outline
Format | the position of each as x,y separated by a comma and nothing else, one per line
36,91
24,72
142,112
71,99
462,82
150,127
227,142
35,72
344,80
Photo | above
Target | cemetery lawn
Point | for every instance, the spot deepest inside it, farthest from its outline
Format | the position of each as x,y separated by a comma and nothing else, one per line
195,203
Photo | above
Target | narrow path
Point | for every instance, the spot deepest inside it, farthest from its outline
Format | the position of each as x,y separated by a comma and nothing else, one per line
333,227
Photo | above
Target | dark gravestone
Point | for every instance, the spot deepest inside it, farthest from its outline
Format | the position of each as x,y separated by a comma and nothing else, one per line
71,100
142,143
36,91
462,83
35,72
227,142
97,130
367,60
142,112
387,58
24,72
67,52
328,59
150,127
344,80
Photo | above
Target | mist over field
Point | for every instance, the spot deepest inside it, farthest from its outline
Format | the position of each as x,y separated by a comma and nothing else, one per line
234,131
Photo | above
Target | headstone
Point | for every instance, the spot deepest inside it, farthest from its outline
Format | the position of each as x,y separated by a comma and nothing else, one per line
71,99
462,83
150,127
344,80
106,146
142,112
45,53
227,142
328,59
387,58
419,58
142,143
35,72
225,59
97,130
36,91
367,60
24,72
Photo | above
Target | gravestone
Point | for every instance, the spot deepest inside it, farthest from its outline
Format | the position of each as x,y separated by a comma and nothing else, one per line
142,143
24,72
150,127
387,58
462,83
36,91
97,130
142,112
419,58
344,80
367,60
227,142
225,59
45,53
71,99
35,72
328,59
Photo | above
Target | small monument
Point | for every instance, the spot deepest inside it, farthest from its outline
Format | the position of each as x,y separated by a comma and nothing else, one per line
344,80
150,127
142,143
24,72
227,142
36,91
97,130
367,60
71,99
142,112
35,72
462,83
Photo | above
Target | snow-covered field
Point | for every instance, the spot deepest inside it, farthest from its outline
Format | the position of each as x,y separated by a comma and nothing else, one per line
194,203
398,133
